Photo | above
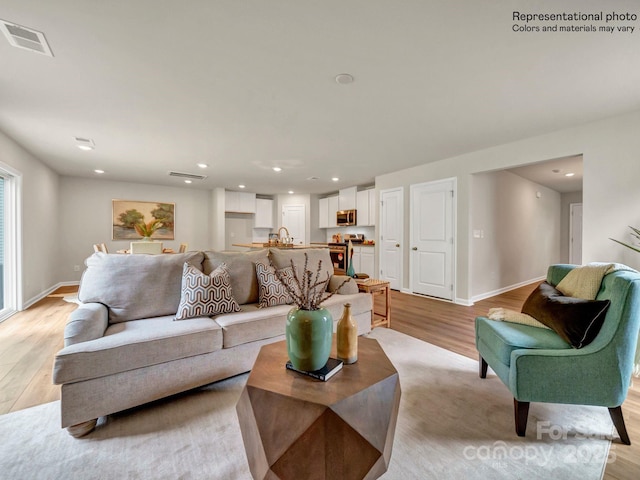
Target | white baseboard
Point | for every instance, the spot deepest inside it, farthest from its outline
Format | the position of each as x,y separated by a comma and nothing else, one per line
458,301
47,292
482,296
465,302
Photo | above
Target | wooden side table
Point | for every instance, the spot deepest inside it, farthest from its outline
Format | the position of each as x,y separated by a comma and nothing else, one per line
295,427
378,287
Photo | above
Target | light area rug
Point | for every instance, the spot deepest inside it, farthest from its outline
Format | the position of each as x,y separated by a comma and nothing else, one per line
451,425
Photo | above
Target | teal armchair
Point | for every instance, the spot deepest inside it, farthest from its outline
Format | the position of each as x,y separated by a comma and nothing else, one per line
538,366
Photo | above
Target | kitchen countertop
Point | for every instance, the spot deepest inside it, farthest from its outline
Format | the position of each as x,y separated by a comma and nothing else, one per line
261,245
311,245
325,244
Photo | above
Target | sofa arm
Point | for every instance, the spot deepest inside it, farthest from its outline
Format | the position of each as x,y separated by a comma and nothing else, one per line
88,322
348,288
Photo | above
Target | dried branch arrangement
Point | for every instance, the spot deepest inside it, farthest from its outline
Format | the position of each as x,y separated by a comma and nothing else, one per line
307,292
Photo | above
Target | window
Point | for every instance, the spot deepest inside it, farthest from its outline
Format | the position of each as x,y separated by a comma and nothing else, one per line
9,245
1,244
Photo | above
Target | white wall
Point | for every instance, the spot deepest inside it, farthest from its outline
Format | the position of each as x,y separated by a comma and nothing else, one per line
85,217
238,228
518,230
610,192
39,200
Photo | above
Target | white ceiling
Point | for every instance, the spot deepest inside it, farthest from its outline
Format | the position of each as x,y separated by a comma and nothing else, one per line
553,173
247,85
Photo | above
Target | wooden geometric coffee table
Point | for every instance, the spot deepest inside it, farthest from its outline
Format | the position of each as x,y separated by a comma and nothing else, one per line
296,427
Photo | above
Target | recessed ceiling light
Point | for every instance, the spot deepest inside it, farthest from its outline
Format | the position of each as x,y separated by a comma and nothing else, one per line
570,174
291,192
277,169
85,144
188,181
335,179
241,186
344,78
99,171
202,165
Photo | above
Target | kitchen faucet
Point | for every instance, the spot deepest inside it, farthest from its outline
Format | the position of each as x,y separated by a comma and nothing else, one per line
286,240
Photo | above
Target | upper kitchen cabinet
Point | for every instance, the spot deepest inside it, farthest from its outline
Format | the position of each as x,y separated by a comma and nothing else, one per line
323,213
366,205
239,202
333,209
347,198
327,208
264,213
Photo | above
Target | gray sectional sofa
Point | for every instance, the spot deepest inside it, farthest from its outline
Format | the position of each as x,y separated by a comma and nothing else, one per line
123,346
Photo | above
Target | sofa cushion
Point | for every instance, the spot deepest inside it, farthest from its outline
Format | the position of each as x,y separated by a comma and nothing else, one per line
242,270
254,323
337,284
576,320
502,338
281,258
203,295
135,286
360,303
136,344
271,291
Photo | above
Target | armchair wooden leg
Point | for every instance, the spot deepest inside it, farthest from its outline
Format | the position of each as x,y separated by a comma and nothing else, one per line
521,411
483,367
618,421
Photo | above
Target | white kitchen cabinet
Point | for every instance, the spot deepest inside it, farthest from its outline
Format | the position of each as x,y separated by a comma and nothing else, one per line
368,261
264,213
347,198
373,210
323,213
333,208
364,260
366,205
239,202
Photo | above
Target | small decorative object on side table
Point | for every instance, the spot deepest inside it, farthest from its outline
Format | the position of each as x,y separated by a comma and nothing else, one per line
375,287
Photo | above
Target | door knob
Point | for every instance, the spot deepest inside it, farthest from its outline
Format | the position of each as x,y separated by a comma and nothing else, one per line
414,248
398,245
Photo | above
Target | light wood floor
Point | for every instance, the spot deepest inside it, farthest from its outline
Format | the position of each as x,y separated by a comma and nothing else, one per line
30,339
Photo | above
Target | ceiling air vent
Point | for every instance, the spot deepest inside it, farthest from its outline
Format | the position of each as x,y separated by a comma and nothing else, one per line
23,37
190,176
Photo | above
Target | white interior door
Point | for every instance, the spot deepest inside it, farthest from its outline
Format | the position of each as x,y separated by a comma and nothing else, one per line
391,230
432,238
575,234
294,219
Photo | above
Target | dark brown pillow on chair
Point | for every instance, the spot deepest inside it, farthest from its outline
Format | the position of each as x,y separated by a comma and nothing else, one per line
576,320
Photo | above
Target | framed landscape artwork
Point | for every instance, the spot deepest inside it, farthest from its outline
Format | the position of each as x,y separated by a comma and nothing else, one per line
127,213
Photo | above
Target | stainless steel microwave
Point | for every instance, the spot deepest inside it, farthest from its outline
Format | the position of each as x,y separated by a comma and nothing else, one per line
344,218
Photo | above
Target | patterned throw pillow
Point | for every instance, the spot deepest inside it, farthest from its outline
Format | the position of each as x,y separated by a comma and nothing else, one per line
271,292
204,295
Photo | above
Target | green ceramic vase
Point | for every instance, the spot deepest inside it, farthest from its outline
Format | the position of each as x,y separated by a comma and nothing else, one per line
309,334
